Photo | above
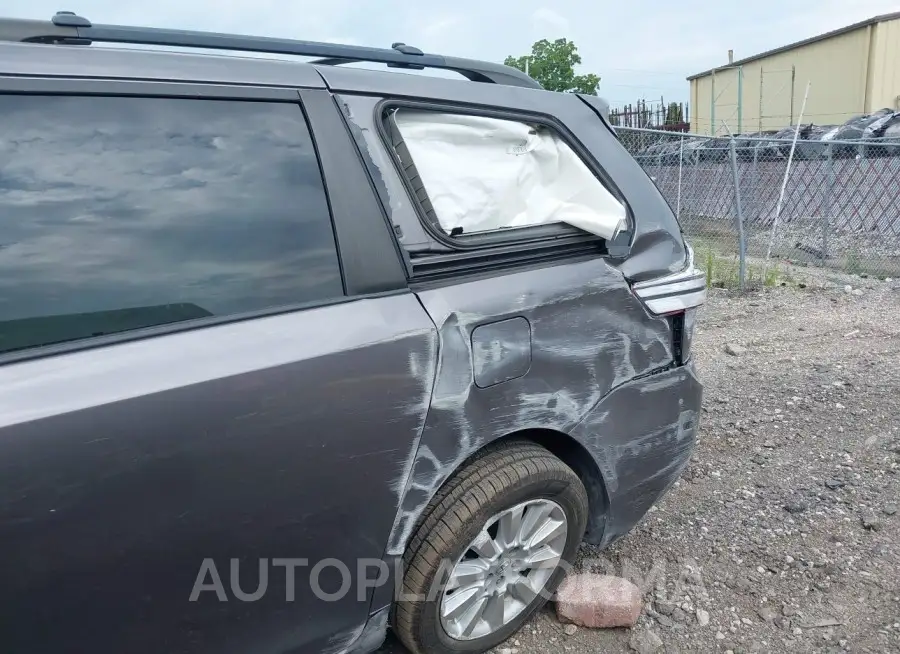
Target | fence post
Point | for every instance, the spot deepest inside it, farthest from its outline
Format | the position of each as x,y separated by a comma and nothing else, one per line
659,170
829,198
739,217
757,205
680,167
695,160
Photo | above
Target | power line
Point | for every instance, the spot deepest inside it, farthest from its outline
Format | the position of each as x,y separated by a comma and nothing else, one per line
647,72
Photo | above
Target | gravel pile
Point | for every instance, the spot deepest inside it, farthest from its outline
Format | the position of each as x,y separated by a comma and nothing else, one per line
783,535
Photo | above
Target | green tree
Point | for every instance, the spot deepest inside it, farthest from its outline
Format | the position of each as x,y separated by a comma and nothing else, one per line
552,63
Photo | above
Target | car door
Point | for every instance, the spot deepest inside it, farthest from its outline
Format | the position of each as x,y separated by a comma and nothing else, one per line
206,405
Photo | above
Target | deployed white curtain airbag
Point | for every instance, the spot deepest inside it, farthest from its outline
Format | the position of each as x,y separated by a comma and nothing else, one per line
486,174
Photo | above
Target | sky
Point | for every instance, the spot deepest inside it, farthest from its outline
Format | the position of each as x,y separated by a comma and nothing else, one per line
639,48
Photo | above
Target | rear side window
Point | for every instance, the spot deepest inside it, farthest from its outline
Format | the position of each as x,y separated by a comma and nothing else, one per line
124,213
477,174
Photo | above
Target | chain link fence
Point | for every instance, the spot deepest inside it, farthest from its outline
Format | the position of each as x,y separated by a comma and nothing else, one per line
840,208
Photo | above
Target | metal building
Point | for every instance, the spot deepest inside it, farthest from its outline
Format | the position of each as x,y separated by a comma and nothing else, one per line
851,71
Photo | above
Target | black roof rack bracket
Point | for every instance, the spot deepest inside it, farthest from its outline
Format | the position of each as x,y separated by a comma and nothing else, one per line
69,19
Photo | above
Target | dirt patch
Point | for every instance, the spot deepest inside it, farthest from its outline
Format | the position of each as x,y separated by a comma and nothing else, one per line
783,534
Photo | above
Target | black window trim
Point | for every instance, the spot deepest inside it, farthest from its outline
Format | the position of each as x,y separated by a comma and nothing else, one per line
436,270
525,235
53,86
371,258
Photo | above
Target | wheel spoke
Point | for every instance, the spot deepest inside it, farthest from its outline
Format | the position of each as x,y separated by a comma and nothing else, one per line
469,619
460,601
486,546
545,532
521,591
503,570
534,518
544,557
472,572
494,611
510,527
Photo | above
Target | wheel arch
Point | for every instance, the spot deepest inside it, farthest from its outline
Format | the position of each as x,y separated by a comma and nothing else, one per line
507,472
573,454
576,456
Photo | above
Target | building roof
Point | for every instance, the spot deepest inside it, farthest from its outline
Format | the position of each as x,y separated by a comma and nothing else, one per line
821,37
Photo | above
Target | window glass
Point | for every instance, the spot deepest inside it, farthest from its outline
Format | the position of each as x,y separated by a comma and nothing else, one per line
123,213
478,174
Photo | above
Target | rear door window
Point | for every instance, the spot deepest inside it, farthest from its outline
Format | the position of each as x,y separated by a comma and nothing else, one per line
476,174
119,214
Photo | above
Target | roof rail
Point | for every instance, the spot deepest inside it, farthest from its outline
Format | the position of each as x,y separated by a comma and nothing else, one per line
68,28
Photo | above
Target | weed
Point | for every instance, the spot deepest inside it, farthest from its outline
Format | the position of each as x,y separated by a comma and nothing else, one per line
854,267
724,272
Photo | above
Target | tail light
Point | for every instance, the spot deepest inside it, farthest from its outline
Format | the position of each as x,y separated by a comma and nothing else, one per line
676,297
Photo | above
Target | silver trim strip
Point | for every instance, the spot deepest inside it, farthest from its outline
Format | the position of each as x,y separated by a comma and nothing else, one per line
693,284
677,302
679,291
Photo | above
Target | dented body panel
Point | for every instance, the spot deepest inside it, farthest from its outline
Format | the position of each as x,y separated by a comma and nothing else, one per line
122,469
596,355
322,433
642,436
589,334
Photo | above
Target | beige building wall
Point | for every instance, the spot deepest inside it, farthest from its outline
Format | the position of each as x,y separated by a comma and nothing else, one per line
884,75
849,74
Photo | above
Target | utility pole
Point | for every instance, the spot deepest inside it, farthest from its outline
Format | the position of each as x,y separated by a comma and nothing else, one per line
793,81
761,74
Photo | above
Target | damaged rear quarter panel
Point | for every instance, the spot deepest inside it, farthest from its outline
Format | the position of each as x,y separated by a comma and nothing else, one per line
589,334
642,436
590,337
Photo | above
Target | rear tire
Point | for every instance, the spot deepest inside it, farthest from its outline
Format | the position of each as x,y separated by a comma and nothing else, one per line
518,488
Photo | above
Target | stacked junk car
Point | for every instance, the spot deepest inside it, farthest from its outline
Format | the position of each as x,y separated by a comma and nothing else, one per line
866,135
827,184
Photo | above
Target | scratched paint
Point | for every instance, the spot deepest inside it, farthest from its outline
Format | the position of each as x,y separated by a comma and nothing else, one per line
426,471
422,367
584,345
642,453
590,340
372,635
222,415
388,185
343,642
226,442
375,166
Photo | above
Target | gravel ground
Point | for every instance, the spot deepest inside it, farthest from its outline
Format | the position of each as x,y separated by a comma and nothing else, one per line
782,535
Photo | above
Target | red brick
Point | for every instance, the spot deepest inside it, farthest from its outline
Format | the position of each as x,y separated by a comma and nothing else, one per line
598,601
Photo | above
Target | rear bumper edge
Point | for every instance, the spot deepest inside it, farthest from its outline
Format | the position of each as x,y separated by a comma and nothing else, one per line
641,436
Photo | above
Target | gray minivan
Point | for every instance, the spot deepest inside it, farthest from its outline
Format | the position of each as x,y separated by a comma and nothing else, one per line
295,352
